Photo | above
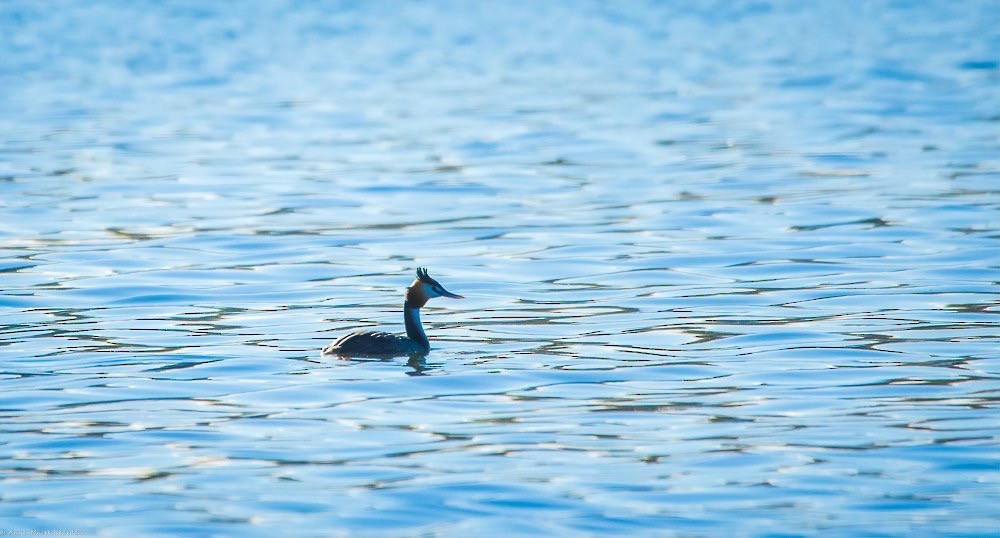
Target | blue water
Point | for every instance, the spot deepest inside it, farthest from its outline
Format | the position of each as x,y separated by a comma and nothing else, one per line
731,268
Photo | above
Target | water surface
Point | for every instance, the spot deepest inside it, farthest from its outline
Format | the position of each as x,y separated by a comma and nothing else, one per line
731,268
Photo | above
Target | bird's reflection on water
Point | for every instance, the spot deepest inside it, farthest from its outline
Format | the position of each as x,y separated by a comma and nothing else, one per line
417,363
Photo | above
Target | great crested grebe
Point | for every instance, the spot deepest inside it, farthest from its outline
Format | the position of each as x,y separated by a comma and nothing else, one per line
382,344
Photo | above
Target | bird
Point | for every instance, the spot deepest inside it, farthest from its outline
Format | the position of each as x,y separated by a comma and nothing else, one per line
383,344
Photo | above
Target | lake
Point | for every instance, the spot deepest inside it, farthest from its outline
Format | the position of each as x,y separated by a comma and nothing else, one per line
730,268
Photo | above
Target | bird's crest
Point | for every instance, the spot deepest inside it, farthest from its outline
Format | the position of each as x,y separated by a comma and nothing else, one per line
424,277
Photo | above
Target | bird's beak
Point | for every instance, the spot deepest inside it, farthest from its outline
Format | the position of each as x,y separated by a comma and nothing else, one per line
446,293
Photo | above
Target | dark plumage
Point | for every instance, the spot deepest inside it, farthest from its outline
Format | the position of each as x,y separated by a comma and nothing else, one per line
383,344
374,344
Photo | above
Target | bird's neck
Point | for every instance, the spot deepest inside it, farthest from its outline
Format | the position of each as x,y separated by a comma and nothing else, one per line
414,329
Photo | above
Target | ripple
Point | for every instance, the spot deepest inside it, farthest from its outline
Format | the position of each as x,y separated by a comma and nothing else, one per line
714,287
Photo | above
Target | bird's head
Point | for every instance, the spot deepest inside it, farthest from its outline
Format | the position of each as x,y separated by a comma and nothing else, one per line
425,288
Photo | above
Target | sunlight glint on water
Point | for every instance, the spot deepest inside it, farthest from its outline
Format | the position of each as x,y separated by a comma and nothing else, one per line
730,269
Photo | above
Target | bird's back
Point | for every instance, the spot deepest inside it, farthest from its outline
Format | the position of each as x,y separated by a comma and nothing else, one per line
373,344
